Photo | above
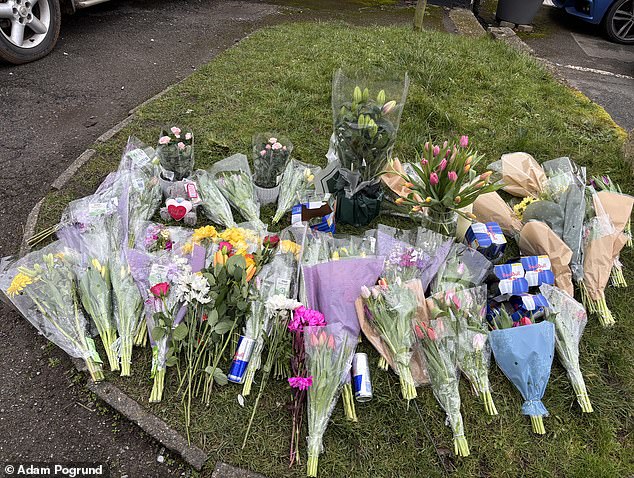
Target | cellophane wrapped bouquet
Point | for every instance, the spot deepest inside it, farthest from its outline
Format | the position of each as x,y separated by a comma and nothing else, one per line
297,186
271,154
176,153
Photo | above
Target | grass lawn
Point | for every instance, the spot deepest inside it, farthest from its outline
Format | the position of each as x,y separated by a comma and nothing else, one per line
279,79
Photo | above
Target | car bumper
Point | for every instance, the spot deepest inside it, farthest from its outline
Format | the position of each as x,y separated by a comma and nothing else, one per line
586,10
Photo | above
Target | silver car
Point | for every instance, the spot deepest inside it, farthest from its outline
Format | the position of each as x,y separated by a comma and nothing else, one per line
29,28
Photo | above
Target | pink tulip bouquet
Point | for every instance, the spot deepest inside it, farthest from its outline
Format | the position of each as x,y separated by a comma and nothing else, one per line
447,179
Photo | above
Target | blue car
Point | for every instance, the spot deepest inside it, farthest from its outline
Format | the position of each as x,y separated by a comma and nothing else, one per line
616,16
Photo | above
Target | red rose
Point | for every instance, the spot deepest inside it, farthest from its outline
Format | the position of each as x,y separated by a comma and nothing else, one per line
160,290
272,241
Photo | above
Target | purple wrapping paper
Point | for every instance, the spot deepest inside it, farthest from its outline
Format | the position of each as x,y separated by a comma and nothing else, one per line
332,288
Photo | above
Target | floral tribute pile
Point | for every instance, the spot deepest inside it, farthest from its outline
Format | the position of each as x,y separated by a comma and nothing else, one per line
230,304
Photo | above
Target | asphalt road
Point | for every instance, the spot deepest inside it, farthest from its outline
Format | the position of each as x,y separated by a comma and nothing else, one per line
109,59
602,70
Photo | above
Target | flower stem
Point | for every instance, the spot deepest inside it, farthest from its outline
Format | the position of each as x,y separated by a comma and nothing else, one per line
348,402
538,425
157,388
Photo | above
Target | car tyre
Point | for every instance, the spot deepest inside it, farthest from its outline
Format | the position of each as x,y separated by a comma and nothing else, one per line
619,22
29,29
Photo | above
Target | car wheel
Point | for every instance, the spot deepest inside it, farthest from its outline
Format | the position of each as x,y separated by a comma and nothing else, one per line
619,22
28,29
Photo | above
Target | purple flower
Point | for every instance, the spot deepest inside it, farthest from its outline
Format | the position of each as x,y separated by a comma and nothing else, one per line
303,383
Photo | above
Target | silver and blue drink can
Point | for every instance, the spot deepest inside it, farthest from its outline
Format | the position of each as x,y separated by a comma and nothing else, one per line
361,378
241,359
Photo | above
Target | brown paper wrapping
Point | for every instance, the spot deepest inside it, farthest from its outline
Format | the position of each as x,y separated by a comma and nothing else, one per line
490,207
599,254
536,238
419,371
397,183
522,175
617,206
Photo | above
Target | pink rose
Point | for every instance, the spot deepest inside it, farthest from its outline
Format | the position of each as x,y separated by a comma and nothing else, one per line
175,130
283,148
188,136
272,140
464,141
181,145
277,146
268,146
263,152
433,179
164,140
453,177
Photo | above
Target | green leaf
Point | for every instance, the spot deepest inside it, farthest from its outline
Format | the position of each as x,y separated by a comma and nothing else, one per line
220,377
223,327
171,361
158,333
180,332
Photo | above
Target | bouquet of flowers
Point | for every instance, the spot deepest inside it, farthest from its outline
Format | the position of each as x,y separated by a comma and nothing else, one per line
296,186
570,319
438,347
448,179
300,381
329,353
279,309
214,204
176,153
604,183
464,268
270,158
43,287
128,306
525,354
275,278
600,239
365,125
464,311
391,309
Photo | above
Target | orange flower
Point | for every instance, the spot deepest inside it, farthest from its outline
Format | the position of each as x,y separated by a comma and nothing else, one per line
250,272
220,258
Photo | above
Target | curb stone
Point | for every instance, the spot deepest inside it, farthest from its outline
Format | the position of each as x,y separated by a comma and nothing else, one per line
508,36
466,23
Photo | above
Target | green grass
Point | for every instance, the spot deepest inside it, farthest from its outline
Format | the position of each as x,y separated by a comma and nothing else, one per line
279,79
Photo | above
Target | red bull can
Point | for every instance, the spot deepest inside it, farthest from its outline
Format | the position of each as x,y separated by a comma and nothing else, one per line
361,378
241,359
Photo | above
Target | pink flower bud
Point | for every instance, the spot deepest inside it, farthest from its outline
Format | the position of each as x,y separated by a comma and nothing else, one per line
453,177
424,162
442,165
263,152
188,136
427,146
175,130
433,179
181,145
164,140
436,151
464,141
444,145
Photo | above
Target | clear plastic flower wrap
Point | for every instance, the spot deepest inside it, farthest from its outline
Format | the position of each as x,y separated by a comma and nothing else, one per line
157,238
42,286
329,353
463,269
296,186
366,116
570,319
127,308
566,186
147,271
271,154
464,310
278,277
233,178
343,246
214,204
391,310
176,153
437,345
91,241
435,246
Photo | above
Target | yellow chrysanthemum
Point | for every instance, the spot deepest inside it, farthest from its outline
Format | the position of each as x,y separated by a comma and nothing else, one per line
520,208
205,232
19,282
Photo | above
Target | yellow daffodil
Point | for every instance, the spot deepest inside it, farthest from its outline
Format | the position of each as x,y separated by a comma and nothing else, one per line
19,282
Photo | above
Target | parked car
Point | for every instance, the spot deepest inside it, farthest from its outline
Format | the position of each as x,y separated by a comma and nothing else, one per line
616,16
29,28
